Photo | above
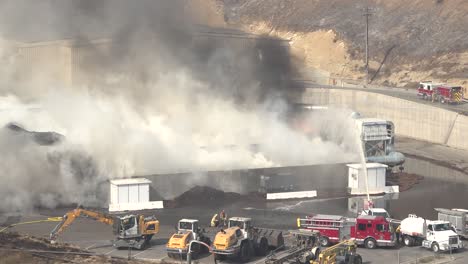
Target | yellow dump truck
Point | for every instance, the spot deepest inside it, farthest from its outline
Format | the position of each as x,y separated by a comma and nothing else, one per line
241,240
189,236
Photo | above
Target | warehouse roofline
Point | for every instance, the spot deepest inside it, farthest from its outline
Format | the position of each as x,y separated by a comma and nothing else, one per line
130,181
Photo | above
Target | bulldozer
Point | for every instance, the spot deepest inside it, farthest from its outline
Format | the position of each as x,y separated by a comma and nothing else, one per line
241,240
341,253
189,239
132,231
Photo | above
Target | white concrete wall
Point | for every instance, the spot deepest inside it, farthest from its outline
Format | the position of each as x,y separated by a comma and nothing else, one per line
291,195
411,119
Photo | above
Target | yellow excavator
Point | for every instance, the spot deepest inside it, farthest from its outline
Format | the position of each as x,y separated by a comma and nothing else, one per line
341,253
133,231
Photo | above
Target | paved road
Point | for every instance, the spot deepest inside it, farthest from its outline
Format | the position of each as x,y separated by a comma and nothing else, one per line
402,93
96,237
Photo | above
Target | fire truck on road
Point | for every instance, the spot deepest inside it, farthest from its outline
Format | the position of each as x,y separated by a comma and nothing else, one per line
368,230
440,92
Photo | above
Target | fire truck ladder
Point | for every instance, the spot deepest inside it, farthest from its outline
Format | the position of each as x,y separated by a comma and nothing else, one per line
326,223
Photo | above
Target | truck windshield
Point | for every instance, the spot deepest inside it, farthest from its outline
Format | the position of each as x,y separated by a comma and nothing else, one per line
384,214
185,225
234,223
442,227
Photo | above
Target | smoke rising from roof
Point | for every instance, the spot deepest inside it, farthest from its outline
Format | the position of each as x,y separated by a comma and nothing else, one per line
160,97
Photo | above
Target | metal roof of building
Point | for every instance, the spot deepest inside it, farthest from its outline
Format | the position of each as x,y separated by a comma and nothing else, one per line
368,165
130,181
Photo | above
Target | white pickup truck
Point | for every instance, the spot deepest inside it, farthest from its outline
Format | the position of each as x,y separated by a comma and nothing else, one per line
436,235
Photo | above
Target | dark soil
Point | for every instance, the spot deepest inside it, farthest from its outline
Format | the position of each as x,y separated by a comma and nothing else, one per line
16,248
207,196
404,180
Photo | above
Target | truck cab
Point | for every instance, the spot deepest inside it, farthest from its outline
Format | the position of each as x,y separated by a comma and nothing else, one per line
426,88
437,235
372,231
244,224
188,225
440,235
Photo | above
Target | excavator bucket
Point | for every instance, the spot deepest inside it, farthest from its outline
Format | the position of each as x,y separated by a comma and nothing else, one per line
274,237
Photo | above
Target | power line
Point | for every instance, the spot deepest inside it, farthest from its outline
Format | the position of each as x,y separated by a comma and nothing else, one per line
367,14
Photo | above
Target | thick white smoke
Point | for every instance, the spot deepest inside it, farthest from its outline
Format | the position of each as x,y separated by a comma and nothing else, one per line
183,115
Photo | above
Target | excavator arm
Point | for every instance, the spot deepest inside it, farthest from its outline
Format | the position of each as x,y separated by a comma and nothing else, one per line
70,216
345,251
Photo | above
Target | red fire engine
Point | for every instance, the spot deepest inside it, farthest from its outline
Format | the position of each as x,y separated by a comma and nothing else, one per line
440,93
370,231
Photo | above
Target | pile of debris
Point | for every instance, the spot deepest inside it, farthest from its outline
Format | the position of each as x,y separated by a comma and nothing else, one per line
405,181
15,248
202,195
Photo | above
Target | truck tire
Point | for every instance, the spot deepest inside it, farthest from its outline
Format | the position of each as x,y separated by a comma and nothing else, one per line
442,100
357,259
408,241
262,247
324,241
370,243
218,257
207,241
244,254
195,250
435,247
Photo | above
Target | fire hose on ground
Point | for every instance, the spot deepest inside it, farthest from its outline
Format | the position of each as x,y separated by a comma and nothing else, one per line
49,219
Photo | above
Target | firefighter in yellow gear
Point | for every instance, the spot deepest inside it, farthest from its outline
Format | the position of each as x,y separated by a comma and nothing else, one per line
214,221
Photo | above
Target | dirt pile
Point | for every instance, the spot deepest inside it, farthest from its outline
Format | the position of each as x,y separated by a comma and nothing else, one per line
405,181
15,248
207,196
408,40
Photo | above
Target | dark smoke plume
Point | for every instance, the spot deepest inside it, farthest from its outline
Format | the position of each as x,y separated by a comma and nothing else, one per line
153,91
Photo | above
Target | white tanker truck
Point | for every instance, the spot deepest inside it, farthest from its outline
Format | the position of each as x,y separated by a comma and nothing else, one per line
436,235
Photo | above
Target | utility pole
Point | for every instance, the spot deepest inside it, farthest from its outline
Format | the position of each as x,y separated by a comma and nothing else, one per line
367,14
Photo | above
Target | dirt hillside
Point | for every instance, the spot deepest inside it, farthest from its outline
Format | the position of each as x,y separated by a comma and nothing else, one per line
409,40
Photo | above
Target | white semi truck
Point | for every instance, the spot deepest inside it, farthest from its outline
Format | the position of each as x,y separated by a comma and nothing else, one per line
436,235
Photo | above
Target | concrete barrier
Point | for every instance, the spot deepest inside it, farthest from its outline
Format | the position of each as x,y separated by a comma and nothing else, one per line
291,195
135,206
411,119
375,190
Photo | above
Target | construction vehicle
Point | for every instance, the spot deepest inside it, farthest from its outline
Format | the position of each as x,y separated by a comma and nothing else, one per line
440,92
241,240
457,217
189,238
304,248
341,253
368,230
134,231
437,235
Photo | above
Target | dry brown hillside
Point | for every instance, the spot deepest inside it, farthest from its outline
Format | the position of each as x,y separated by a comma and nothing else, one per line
409,40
